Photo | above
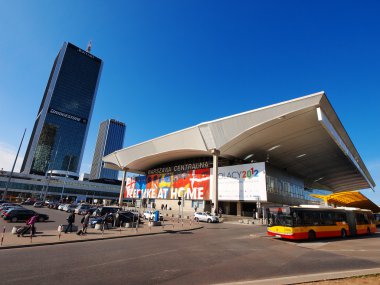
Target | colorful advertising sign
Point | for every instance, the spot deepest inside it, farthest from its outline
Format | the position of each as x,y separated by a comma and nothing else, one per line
191,184
242,182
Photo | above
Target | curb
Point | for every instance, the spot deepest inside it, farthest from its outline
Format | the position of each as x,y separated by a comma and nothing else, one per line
96,239
316,277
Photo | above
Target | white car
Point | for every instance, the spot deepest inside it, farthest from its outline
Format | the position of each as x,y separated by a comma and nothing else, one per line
205,217
60,207
149,215
82,209
69,208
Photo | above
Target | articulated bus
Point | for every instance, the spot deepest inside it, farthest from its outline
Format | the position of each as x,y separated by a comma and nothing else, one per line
311,222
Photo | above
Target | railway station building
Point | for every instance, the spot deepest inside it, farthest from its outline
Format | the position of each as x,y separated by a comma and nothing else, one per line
241,164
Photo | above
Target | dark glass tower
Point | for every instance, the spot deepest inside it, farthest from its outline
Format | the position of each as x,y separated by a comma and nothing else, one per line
60,130
110,138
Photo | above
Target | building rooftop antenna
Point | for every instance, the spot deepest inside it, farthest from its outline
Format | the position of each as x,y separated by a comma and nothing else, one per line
89,45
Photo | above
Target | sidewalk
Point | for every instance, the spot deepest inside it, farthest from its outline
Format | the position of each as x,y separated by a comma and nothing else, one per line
51,237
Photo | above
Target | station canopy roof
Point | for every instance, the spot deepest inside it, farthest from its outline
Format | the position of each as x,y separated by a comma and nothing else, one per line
349,199
303,136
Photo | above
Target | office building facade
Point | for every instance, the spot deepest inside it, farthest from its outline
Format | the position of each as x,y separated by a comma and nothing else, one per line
110,138
60,130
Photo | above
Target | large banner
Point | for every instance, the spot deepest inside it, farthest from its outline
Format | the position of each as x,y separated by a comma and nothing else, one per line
191,184
244,182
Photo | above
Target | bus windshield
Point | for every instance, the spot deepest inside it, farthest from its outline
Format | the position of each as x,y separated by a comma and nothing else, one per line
280,216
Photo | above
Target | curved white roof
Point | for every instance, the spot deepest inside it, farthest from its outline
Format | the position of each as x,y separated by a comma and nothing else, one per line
303,136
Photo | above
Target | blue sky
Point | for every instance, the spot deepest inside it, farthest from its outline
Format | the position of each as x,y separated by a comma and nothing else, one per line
169,65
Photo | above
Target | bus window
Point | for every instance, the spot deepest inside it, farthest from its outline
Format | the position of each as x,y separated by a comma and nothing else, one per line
361,219
327,219
312,218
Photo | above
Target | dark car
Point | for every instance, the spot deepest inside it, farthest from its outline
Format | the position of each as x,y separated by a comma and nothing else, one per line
100,220
15,215
124,217
101,211
128,217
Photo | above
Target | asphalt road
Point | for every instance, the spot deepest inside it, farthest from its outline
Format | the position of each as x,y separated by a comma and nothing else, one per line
216,254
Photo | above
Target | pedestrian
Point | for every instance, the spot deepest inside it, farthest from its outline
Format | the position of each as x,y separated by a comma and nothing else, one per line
195,208
220,212
30,223
166,206
71,220
108,217
117,219
86,220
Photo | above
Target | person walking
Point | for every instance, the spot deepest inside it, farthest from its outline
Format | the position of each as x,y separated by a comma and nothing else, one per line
86,220
30,225
71,221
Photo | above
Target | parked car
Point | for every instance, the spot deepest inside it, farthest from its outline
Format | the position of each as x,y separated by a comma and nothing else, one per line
149,215
15,215
82,209
61,206
205,217
129,217
28,202
101,211
38,204
100,220
6,208
53,204
69,208
7,205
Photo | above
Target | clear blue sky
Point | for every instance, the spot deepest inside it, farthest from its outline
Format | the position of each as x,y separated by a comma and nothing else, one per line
169,65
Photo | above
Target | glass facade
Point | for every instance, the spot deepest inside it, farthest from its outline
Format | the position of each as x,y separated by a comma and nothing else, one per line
60,131
110,139
55,188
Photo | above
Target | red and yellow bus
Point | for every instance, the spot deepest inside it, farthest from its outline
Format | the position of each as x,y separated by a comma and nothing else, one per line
311,222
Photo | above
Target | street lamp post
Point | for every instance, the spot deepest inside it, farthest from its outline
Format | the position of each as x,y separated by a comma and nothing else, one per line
13,168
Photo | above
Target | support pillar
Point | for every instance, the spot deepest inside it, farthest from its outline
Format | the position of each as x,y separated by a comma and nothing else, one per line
215,156
122,187
238,208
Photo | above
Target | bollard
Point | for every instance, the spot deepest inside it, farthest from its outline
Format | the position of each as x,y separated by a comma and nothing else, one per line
31,234
182,222
103,230
60,232
2,236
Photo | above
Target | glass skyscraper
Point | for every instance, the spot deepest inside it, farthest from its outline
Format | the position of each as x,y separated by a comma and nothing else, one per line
60,130
110,138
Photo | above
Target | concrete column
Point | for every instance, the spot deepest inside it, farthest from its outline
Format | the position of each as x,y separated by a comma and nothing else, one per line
122,187
215,156
238,208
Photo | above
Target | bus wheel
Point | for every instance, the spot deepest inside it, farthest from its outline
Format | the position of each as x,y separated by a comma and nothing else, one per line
311,235
343,233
